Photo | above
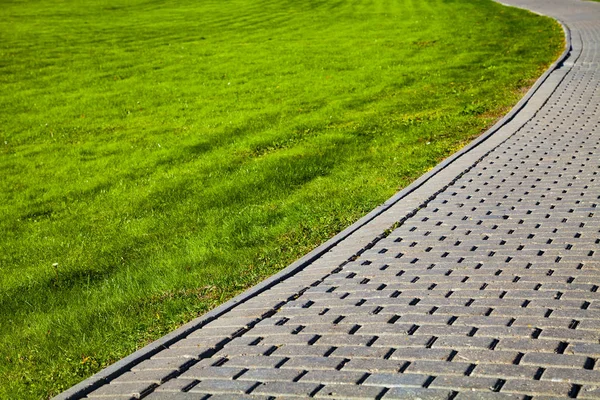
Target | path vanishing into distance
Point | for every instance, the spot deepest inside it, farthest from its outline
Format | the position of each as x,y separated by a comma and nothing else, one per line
479,281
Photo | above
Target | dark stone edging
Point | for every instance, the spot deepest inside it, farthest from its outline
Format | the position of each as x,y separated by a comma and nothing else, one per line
109,373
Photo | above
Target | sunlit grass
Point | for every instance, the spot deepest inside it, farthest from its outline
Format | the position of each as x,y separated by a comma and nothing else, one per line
157,158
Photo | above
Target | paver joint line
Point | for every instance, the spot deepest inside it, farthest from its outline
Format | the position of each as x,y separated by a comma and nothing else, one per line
484,286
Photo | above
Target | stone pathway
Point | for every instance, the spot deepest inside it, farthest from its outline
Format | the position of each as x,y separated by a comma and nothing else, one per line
485,287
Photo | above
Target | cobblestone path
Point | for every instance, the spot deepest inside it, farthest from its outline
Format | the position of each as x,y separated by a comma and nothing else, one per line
486,286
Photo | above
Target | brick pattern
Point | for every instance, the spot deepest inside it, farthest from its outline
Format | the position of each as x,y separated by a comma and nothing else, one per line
488,290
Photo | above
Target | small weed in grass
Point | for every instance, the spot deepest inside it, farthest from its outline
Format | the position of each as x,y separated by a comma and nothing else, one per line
157,158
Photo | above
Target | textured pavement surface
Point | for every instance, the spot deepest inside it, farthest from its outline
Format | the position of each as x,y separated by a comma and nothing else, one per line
485,287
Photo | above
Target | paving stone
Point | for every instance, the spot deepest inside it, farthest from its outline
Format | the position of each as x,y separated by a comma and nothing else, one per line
177,385
420,354
228,396
417,393
559,360
154,376
194,345
299,339
460,342
402,341
181,352
441,330
123,390
286,388
168,364
528,345
486,356
464,382
589,392
177,396
361,352
587,349
571,375
334,376
222,386
489,396
385,329
438,368
332,391
270,375
217,333
392,380
212,372
374,365
236,351
325,363
506,371
537,387
256,361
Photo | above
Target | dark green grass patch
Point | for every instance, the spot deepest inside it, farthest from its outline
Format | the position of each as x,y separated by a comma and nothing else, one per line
156,158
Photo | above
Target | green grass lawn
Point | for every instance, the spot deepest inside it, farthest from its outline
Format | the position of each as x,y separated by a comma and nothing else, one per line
157,158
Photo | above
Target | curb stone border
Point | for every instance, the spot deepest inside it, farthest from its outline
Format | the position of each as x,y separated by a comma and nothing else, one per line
90,384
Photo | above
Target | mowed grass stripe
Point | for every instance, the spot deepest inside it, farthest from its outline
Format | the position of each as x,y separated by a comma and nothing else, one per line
159,158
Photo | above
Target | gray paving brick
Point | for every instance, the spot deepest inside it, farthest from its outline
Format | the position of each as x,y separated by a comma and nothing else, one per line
361,352
589,392
332,391
486,356
272,330
420,354
334,376
506,371
438,368
299,339
270,375
374,365
541,322
385,329
176,396
548,359
177,385
519,332
402,341
222,386
237,351
484,321
587,349
302,389
211,372
489,396
581,376
417,393
536,387
123,390
392,380
441,330
313,363
464,382
463,342
246,341
528,345
194,345
153,376
181,352
346,340
302,350
237,396
213,333
256,361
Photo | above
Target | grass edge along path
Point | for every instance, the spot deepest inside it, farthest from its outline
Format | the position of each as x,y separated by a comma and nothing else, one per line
157,160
